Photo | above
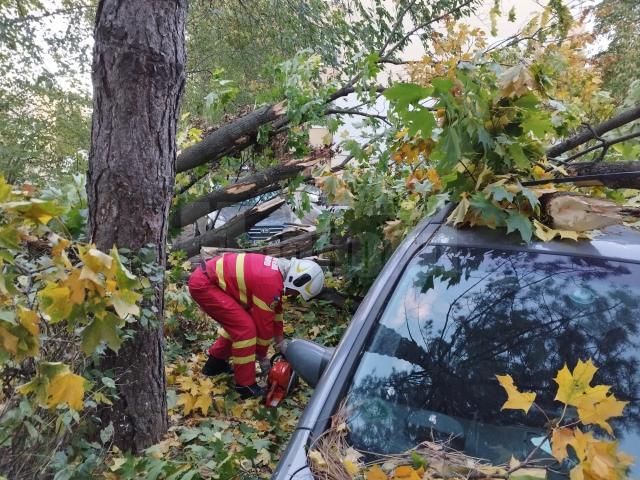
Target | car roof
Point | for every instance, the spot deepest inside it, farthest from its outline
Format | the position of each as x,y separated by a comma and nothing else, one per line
617,242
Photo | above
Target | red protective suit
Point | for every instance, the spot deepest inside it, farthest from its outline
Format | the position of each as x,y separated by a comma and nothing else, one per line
242,292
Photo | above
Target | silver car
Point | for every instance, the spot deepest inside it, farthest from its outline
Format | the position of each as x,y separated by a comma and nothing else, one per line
451,309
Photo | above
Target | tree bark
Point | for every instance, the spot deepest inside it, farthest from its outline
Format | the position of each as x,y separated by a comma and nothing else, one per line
602,169
138,78
241,133
248,187
228,136
589,134
224,235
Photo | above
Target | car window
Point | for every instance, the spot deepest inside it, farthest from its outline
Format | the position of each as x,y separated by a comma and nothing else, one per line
459,316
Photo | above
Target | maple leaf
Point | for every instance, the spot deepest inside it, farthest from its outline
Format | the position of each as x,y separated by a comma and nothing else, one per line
393,231
188,384
101,329
560,439
187,401
547,234
376,473
8,341
573,385
598,413
56,302
66,388
516,81
317,459
515,400
599,459
125,303
521,223
29,320
203,402
458,215
405,472
76,286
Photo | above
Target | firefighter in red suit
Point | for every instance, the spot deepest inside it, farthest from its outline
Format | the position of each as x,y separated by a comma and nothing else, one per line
243,293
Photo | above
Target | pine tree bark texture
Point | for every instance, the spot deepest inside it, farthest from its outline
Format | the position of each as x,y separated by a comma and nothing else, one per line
138,78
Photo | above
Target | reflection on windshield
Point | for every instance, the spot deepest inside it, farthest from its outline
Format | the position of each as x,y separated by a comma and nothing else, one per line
460,316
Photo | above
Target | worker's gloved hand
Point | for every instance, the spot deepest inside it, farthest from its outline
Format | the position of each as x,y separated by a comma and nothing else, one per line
265,366
278,341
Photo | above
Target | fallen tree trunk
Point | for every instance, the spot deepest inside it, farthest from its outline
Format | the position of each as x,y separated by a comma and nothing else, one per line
228,136
591,133
250,186
300,246
226,234
581,213
241,133
625,178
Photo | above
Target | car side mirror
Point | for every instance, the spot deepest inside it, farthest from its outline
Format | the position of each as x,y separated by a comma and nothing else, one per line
308,359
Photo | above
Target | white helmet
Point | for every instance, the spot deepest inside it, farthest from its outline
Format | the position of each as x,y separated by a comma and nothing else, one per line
305,277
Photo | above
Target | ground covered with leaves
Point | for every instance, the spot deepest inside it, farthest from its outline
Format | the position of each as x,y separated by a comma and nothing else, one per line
214,433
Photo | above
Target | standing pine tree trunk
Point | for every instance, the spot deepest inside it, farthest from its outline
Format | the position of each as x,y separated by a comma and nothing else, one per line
138,77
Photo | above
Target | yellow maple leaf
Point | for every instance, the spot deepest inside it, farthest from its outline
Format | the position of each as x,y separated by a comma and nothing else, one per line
405,472
125,303
376,473
516,400
237,410
187,401
59,245
459,214
599,459
76,286
58,305
317,459
8,341
188,384
66,388
206,387
203,402
29,320
546,234
351,468
573,385
96,260
560,438
599,413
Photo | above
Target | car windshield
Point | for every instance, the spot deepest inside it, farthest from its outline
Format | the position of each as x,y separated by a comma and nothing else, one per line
459,316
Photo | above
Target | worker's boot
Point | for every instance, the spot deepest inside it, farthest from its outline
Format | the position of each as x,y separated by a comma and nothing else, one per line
216,366
251,391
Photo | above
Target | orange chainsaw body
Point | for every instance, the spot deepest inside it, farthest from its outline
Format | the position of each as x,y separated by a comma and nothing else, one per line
280,381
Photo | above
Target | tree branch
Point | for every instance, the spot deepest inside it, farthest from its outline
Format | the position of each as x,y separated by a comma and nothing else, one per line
401,42
224,235
605,144
590,133
250,186
341,111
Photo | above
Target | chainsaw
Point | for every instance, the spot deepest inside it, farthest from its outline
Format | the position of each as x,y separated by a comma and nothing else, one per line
280,381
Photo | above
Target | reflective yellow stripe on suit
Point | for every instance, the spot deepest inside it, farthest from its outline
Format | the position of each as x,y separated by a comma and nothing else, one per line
261,305
223,333
243,360
279,317
242,287
244,343
264,342
220,273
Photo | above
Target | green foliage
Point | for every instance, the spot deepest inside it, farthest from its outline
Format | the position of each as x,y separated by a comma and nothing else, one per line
62,304
380,211
619,22
247,41
44,89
